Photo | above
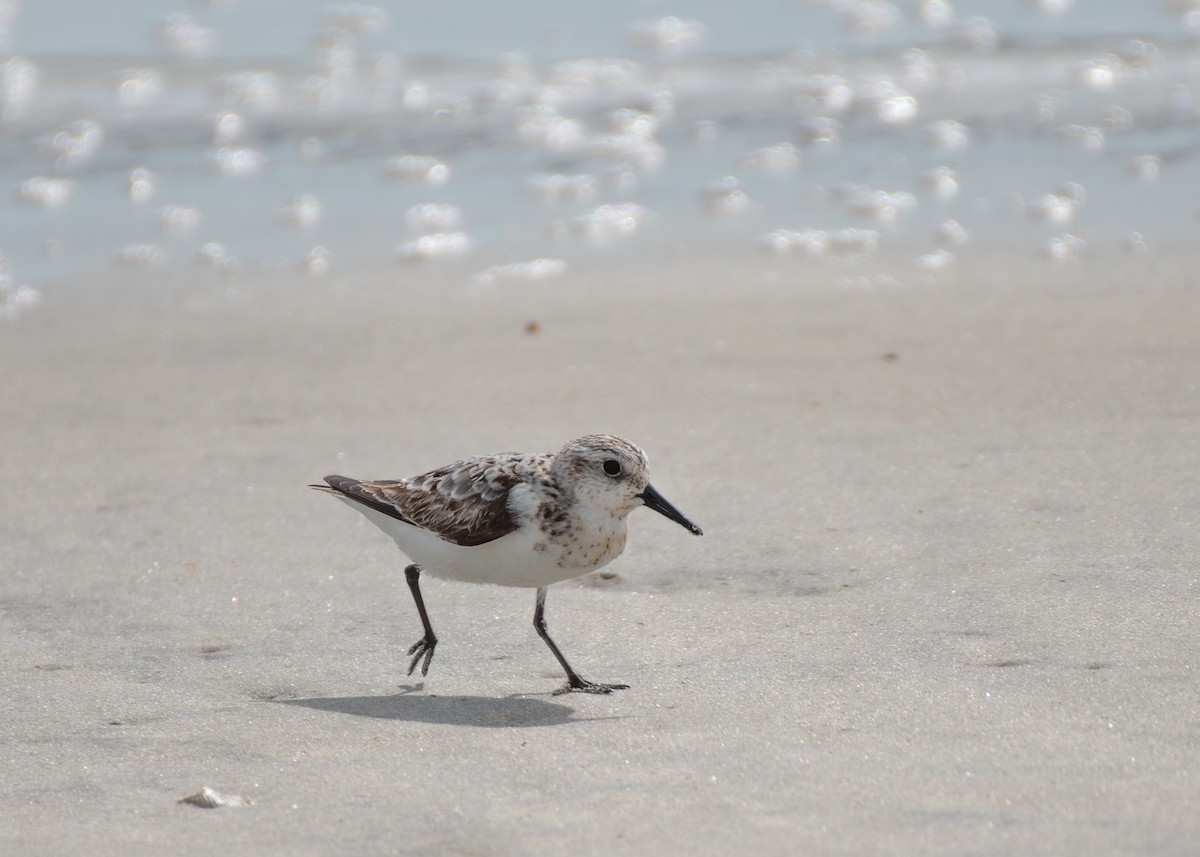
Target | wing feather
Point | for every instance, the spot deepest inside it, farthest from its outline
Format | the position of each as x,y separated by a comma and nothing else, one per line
465,503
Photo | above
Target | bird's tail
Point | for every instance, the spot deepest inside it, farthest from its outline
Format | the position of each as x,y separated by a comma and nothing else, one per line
337,485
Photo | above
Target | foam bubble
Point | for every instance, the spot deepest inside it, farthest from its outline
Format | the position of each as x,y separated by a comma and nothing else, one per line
656,98
253,90
531,271
303,211
667,35
950,135
1117,118
178,218
631,122
437,245
239,161
543,126
46,191
140,184
141,256
1063,248
976,32
1045,108
919,69
1090,138
1146,167
185,36
810,242
952,232
18,83
335,53
943,181
868,17
622,179
937,14
610,221
227,127
75,144
854,241
23,298
589,74
726,196
847,243
14,299
1102,75
216,255
318,261
137,87
557,186
645,155
936,261
1075,192
424,168
779,159
433,215
1054,208
819,130
10,10
884,206
899,108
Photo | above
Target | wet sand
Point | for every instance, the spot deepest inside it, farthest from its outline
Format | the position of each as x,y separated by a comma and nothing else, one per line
945,604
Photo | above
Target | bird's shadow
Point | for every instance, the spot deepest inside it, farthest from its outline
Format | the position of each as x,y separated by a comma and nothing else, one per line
480,711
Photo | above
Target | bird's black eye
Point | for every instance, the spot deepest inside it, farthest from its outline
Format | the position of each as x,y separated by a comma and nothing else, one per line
612,467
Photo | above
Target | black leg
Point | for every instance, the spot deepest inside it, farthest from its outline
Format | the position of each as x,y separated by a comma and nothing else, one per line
424,646
574,681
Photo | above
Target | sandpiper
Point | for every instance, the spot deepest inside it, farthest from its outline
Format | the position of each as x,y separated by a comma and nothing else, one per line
513,519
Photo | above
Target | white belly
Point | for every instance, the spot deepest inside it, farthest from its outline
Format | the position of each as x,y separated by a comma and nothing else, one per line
510,560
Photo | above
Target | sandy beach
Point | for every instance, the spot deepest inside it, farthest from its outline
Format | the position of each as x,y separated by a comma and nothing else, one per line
945,603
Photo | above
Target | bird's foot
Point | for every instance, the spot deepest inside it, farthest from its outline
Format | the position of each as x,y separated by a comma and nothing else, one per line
575,684
422,648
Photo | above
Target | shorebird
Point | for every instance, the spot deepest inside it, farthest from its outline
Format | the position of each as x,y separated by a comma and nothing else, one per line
513,519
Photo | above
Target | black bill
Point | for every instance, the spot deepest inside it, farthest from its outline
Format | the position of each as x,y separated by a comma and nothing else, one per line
659,503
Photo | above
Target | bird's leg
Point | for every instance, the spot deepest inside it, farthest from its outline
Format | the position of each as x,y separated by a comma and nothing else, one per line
424,646
574,681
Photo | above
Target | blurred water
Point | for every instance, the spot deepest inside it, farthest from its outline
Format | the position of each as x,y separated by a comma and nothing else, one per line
520,138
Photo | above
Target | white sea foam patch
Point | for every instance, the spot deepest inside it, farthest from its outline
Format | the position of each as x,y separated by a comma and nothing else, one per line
533,270
436,245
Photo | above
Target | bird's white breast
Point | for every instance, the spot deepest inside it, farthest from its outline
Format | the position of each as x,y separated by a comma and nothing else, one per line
524,557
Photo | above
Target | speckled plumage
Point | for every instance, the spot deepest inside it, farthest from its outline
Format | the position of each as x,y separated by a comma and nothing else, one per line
513,519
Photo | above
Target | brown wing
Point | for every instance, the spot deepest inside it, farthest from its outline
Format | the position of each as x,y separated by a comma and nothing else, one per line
465,503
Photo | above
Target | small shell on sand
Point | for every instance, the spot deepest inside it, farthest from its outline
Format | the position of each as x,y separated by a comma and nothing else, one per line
208,798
